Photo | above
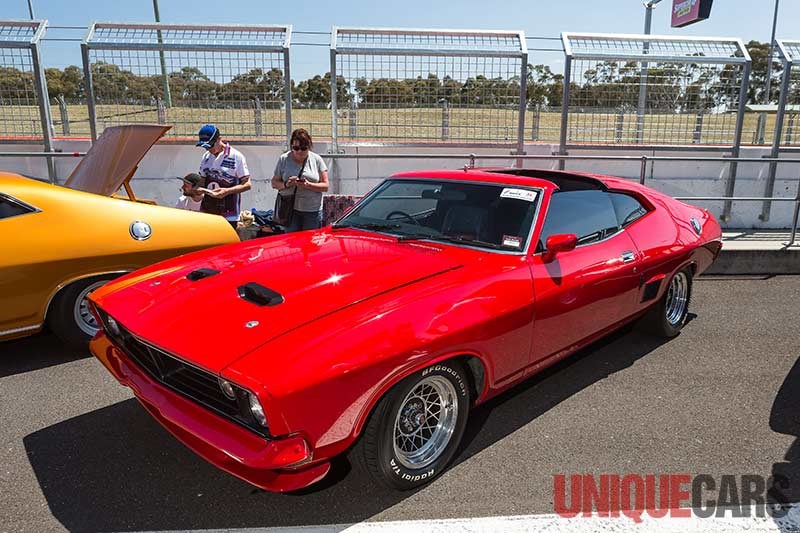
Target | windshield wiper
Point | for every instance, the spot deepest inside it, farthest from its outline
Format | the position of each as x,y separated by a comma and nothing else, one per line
367,225
447,238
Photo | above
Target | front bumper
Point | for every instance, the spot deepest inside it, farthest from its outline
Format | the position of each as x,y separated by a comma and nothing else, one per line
224,444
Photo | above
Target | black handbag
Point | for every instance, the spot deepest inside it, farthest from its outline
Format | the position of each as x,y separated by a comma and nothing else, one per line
284,204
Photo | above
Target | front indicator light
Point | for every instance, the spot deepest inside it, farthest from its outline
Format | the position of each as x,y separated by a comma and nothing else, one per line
257,410
227,389
292,452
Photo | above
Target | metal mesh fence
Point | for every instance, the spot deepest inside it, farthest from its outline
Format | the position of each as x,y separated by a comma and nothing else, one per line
628,90
427,86
20,114
233,76
790,136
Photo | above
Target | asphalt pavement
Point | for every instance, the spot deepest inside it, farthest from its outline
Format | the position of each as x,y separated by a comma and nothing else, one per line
723,398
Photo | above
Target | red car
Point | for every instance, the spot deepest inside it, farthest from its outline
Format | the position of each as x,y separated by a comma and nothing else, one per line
377,335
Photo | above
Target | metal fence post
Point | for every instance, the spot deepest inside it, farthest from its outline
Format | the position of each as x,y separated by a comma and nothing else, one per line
40,84
353,118
643,170
334,118
761,127
620,126
62,107
89,83
774,153
562,143
537,116
790,128
445,120
257,119
698,129
737,136
523,98
287,88
161,112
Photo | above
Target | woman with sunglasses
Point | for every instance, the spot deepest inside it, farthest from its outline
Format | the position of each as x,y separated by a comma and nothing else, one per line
304,173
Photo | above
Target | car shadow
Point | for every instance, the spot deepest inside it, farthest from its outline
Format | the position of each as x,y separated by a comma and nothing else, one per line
785,418
522,404
34,353
117,469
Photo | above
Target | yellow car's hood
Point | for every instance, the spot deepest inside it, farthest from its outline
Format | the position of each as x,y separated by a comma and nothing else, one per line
113,158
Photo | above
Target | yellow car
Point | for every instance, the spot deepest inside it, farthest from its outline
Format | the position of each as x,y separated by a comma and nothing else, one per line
61,243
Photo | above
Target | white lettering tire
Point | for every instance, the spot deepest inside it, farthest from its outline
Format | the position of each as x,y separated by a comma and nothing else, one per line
415,429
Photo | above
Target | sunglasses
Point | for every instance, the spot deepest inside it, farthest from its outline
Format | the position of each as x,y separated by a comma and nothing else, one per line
299,148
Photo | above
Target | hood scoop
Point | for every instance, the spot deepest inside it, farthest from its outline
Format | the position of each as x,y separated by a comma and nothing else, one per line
259,294
201,273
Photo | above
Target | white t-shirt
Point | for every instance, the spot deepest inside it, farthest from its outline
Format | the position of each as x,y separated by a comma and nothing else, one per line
222,171
186,202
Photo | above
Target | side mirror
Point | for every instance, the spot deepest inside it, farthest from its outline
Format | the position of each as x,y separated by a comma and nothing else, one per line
563,242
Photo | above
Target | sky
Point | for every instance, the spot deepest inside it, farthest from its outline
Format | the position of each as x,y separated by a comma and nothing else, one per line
745,19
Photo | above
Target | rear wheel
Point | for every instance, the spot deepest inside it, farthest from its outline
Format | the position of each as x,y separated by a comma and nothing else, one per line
69,316
668,316
415,429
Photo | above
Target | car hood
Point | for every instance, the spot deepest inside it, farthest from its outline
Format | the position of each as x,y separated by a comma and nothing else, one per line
316,274
114,157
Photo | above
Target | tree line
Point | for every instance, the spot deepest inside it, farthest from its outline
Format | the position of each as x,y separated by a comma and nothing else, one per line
673,87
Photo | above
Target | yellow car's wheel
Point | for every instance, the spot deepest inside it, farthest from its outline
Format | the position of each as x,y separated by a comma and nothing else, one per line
69,316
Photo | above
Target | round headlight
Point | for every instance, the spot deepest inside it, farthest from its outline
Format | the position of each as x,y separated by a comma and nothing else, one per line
113,327
140,230
257,410
227,389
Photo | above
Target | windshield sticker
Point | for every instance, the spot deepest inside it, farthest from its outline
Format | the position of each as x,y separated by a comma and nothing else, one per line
512,240
519,194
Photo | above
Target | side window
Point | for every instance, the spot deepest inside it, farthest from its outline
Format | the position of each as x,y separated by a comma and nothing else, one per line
588,214
628,208
9,208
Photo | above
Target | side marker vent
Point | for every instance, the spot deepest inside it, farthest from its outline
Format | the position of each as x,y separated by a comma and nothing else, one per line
200,273
259,295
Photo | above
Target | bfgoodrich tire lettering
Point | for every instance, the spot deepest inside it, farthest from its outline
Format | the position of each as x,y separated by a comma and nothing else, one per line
414,431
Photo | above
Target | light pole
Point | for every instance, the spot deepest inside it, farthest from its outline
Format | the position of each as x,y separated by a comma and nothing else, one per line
165,78
649,5
771,50
761,126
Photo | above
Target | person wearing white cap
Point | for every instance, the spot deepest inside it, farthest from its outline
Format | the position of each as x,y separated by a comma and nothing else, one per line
226,175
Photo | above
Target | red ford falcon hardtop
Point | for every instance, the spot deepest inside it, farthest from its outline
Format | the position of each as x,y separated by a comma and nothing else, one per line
376,335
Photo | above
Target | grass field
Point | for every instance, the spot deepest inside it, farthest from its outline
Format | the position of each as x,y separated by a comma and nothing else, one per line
401,124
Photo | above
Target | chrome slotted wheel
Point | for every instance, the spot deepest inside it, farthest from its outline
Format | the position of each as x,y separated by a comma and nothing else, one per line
677,298
425,422
80,310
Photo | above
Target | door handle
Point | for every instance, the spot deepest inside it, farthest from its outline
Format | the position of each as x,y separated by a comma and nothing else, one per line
627,257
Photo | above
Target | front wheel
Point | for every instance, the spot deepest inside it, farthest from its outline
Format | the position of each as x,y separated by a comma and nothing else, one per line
69,316
415,429
669,314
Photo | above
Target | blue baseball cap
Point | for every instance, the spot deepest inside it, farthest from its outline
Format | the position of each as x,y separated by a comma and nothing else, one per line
208,135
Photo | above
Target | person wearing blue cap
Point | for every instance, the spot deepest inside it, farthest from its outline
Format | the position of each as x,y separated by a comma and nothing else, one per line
224,170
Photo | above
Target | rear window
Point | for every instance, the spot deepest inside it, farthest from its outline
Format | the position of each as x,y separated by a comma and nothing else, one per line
590,215
10,207
628,208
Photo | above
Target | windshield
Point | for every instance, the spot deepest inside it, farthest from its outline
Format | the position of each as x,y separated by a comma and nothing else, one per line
490,216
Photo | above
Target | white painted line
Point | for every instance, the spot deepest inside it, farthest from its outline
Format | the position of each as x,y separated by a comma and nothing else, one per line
554,523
